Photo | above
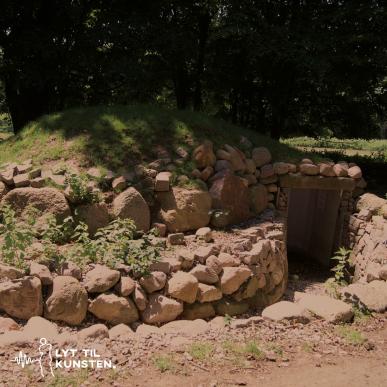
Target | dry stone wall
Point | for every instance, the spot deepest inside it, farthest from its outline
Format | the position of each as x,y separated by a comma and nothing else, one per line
250,270
368,238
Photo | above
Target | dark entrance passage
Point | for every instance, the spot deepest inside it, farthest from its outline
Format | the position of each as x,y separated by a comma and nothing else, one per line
313,229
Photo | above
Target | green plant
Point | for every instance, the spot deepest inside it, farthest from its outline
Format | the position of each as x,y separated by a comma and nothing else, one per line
17,238
340,269
227,320
164,363
361,314
350,335
251,348
58,233
200,351
80,191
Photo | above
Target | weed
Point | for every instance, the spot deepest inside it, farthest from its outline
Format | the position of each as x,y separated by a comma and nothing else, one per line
340,269
17,238
164,363
252,349
361,315
73,380
350,335
79,190
58,233
201,351
227,320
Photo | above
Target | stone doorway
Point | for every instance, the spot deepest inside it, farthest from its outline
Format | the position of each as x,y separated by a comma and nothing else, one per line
314,227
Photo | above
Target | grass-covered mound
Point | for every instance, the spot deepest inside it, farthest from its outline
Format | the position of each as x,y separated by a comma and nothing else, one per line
115,136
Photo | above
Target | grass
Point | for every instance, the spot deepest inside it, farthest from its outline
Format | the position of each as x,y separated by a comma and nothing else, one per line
116,136
373,145
241,350
164,363
76,379
350,335
200,351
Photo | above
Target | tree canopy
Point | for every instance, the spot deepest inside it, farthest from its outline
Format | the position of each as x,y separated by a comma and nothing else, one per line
277,66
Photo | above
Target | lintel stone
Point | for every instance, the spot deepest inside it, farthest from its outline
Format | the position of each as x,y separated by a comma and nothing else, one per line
296,180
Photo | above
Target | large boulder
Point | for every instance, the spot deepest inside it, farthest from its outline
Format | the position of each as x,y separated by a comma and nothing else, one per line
370,202
95,215
259,198
22,298
131,204
67,301
161,309
325,307
231,193
371,296
114,309
183,210
46,200
100,279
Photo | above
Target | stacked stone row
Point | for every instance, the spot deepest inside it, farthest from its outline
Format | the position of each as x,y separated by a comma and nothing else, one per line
192,285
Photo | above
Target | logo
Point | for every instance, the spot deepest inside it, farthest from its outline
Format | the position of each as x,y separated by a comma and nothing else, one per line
49,359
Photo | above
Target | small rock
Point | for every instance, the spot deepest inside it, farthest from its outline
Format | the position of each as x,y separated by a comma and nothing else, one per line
208,293
162,182
121,332
125,286
183,286
154,281
161,309
205,234
10,272
176,239
100,279
232,278
205,274
42,272
119,183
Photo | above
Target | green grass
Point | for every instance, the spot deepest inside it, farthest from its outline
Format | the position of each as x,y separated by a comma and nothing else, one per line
117,136
373,145
241,350
350,335
164,363
200,351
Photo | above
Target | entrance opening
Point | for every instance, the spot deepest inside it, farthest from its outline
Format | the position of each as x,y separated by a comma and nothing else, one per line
313,231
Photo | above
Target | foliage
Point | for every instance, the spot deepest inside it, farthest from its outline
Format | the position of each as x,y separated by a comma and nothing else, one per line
350,335
114,244
200,351
17,238
80,191
341,268
252,348
58,233
276,66
164,363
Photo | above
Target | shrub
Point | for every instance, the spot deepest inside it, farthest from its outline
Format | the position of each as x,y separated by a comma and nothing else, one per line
17,238
341,268
80,191
58,233
114,244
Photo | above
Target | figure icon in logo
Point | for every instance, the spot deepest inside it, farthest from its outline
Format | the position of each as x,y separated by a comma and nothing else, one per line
45,359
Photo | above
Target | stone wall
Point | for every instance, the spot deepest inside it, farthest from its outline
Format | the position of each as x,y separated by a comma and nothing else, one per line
368,238
248,270
200,280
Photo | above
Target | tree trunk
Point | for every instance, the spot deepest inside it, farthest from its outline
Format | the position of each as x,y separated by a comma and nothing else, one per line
204,25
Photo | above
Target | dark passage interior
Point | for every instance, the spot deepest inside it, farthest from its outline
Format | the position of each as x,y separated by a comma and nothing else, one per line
313,229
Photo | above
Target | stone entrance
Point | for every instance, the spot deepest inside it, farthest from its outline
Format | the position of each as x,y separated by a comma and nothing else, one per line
313,224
